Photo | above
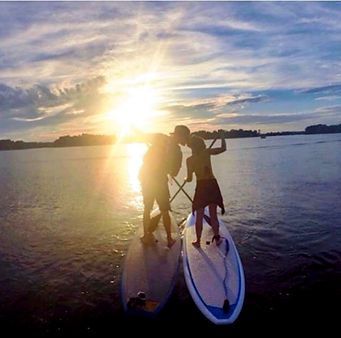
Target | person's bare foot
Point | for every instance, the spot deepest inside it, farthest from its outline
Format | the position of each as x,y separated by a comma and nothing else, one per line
145,240
196,244
171,242
148,239
218,240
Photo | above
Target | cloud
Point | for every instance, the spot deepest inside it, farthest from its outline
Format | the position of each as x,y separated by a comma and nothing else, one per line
251,99
197,111
331,89
328,97
209,108
41,102
262,119
334,111
210,58
318,114
239,47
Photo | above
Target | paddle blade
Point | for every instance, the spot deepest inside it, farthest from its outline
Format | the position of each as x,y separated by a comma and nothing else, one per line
154,221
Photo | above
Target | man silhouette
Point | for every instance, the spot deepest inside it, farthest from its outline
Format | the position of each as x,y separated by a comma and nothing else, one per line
163,158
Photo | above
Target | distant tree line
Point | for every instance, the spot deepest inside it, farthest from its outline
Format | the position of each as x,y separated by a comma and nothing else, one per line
11,145
323,129
91,140
63,141
227,134
284,133
83,140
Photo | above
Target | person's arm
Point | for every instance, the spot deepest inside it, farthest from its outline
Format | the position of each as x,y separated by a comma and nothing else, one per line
216,151
189,170
175,161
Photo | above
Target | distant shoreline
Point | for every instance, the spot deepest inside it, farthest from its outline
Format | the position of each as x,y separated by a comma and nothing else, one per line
93,140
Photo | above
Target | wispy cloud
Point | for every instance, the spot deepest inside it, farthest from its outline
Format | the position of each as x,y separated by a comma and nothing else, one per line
58,60
331,89
248,99
47,107
319,115
330,110
262,119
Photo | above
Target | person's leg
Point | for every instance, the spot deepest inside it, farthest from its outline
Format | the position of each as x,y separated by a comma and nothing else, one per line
162,199
168,227
214,222
198,226
148,201
146,220
148,237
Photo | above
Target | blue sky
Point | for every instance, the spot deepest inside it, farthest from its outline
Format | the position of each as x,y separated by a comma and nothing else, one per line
73,67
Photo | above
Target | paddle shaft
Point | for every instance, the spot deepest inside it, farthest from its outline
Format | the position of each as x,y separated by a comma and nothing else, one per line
183,184
155,220
207,218
181,188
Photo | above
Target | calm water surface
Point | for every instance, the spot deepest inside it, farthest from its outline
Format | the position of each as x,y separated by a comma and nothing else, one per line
67,216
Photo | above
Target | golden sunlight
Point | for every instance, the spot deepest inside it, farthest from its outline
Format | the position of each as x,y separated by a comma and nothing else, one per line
135,153
135,108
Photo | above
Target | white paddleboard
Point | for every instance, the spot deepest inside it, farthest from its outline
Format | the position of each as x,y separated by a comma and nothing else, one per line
150,270
213,273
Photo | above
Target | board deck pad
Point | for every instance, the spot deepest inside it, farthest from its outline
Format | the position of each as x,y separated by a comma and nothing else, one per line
213,273
151,269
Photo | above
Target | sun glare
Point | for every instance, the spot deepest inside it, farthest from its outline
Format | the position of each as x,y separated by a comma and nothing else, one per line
136,108
135,153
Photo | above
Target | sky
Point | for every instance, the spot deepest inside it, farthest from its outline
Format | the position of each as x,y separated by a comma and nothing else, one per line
68,68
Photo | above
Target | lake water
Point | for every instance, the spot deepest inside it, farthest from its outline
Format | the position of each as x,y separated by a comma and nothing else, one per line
67,216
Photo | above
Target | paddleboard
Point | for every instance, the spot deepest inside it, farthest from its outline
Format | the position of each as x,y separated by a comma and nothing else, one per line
150,271
214,274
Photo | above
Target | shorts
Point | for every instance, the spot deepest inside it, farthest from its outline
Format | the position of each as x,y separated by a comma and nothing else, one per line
207,192
156,191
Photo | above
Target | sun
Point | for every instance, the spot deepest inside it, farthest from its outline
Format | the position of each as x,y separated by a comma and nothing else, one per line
135,108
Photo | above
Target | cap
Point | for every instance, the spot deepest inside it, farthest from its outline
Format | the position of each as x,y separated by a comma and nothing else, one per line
181,130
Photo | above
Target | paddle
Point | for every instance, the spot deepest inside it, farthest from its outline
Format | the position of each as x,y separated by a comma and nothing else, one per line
207,218
154,221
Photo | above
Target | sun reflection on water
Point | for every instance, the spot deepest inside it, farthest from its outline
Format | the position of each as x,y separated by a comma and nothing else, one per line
135,153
